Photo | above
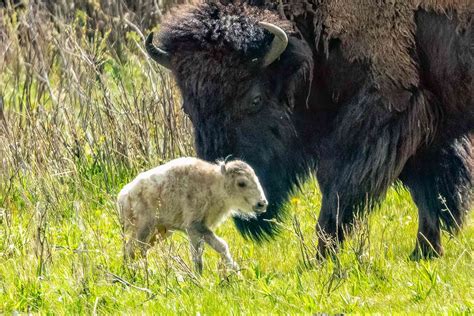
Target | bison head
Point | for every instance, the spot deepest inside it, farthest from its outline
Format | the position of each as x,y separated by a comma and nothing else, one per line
242,80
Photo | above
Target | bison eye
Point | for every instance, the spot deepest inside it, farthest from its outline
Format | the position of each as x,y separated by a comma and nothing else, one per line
241,184
257,100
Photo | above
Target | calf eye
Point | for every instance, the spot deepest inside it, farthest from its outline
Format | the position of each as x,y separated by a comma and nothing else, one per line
241,184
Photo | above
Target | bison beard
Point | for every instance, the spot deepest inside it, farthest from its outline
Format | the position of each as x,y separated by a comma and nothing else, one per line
336,102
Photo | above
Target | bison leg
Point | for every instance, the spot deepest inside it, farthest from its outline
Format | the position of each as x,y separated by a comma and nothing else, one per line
345,195
424,194
328,231
366,153
335,221
440,182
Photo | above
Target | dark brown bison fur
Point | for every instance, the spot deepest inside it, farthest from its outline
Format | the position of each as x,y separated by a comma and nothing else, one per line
369,94
378,31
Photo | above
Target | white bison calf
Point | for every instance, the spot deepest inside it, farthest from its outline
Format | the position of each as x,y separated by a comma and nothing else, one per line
190,195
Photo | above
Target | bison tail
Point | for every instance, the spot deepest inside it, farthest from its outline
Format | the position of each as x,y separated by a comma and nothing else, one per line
455,183
456,188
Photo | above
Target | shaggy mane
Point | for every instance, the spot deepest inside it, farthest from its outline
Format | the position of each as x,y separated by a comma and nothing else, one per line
379,31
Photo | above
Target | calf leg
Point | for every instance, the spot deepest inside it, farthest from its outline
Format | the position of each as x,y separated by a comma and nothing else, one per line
128,227
141,235
216,243
146,236
440,182
219,245
197,248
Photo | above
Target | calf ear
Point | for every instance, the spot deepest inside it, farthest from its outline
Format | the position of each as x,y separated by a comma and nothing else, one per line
223,163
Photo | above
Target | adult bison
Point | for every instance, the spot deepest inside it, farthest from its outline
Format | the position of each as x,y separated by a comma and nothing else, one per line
364,92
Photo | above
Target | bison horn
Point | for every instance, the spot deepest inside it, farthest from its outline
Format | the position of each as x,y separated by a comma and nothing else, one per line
279,43
156,53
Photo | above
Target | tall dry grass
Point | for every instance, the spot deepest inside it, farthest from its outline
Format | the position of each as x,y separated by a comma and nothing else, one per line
78,114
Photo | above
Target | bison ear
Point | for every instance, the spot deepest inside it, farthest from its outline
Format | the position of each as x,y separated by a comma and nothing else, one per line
294,74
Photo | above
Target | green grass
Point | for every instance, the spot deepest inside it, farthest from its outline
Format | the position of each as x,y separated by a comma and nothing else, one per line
82,259
77,123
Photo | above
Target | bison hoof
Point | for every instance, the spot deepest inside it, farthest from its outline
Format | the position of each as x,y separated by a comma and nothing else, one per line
426,252
326,250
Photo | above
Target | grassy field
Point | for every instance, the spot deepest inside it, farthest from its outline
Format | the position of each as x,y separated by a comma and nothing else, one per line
80,115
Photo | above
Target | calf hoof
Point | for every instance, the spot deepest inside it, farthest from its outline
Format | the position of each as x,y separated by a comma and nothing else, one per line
426,251
233,266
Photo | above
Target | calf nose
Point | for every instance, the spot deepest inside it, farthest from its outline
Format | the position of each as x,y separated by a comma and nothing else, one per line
262,204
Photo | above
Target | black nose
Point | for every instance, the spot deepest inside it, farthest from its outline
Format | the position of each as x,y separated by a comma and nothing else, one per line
262,204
